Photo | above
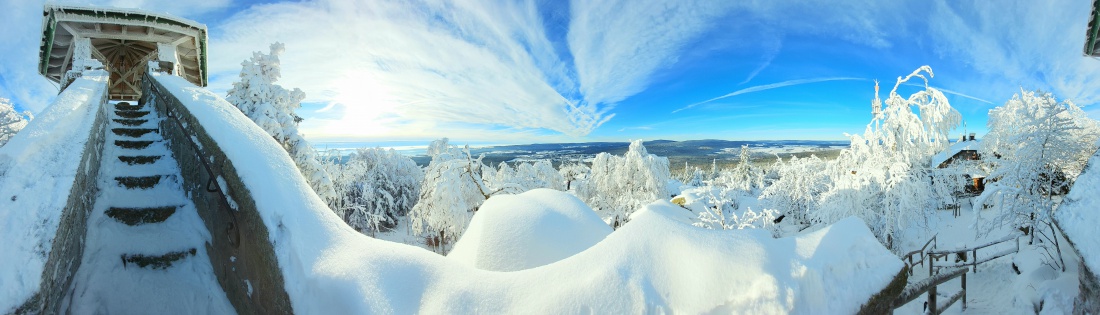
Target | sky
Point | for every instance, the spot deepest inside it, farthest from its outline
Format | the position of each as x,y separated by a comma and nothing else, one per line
487,71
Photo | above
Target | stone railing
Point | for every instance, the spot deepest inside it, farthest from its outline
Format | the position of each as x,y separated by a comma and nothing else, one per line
67,248
240,251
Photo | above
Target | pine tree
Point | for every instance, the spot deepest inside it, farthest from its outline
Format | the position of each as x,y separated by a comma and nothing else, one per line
272,108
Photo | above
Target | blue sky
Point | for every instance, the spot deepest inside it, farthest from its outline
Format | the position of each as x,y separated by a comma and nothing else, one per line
562,71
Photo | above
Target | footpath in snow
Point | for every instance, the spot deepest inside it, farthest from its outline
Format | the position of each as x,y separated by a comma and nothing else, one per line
144,250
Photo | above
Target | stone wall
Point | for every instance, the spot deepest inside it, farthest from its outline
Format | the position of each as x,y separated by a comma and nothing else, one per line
68,244
240,250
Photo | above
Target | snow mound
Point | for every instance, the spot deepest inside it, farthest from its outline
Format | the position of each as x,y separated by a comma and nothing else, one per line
1078,216
653,264
535,228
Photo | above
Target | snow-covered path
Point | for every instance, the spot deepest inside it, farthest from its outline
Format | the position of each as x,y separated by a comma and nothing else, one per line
145,249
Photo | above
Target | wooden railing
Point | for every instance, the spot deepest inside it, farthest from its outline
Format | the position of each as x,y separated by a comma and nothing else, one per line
940,274
972,260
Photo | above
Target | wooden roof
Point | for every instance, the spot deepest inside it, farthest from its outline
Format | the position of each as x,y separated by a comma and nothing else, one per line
1092,34
123,40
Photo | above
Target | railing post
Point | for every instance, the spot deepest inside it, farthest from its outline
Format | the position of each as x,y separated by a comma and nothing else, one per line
964,290
932,300
975,261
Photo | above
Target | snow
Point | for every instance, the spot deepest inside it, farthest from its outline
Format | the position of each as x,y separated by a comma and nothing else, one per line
653,263
37,170
1078,217
535,228
955,148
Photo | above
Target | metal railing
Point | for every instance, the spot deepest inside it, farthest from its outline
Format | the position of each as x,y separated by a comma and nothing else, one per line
212,185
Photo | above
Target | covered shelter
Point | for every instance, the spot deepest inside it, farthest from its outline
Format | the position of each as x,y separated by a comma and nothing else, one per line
1092,34
124,41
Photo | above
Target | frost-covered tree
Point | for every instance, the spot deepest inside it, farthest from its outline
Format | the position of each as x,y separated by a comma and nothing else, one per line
797,187
744,177
451,192
375,186
883,177
272,108
617,186
1032,139
525,176
572,172
11,121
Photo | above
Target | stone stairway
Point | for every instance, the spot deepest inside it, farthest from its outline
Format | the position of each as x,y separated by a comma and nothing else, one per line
145,249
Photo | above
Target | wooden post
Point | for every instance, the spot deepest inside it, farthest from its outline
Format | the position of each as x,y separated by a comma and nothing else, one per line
975,261
964,290
932,300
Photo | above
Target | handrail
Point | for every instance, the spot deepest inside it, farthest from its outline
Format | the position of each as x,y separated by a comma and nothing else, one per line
928,285
921,251
212,184
974,262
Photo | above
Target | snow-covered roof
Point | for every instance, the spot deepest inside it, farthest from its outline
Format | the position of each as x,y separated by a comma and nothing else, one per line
123,40
1079,215
653,264
953,150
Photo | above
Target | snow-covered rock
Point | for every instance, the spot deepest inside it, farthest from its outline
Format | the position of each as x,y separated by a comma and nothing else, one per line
535,228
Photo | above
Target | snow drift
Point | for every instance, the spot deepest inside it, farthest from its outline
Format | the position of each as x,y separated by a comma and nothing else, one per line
652,264
1078,216
535,228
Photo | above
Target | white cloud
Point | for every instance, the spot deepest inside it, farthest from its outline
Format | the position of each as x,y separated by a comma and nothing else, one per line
396,63
1020,43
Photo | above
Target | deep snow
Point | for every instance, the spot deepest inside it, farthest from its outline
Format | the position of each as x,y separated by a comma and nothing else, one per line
653,263
37,170
535,228
1079,214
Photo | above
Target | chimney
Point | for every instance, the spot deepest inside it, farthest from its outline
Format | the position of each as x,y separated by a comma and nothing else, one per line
971,136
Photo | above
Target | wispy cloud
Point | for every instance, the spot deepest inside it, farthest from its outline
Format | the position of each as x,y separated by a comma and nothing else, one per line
617,45
485,63
1014,43
766,87
946,91
771,51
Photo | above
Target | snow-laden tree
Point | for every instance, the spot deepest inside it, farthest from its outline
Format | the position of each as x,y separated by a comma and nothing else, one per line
743,177
523,177
272,108
883,177
451,192
572,172
617,186
11,121
797,187
375,187
1032,139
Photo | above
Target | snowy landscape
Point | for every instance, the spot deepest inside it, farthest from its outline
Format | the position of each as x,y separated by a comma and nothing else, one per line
465,159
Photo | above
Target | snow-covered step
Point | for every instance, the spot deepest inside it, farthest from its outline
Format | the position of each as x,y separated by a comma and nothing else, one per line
132,132
132,144
131,113
139,216
156,261
130,122
144,247
138,159
127,106
139,182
